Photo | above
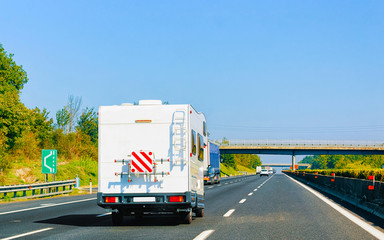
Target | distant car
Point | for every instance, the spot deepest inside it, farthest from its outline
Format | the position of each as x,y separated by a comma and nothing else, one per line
264,172
270,171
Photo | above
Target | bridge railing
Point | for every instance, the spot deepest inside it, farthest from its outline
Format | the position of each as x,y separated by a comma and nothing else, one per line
317,143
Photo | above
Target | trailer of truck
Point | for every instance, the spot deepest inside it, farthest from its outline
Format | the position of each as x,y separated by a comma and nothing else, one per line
212,164
151,160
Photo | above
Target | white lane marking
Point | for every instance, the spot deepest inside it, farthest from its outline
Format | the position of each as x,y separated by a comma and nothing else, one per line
255,189
226,183
45,206
230,182
243,200
210,187
376,233
219,185
26,234
105,214
204,235
259,187
250,194
229,213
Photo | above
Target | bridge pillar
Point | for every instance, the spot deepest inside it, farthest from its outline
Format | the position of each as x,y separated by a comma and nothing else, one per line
293,162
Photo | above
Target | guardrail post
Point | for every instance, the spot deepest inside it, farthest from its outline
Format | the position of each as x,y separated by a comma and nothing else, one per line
90,186
77,182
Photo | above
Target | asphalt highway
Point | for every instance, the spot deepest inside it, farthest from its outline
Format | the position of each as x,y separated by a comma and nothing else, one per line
255,207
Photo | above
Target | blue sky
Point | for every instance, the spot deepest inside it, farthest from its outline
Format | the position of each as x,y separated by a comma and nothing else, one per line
257,69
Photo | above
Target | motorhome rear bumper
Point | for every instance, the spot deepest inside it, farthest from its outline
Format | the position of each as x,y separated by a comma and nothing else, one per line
155,202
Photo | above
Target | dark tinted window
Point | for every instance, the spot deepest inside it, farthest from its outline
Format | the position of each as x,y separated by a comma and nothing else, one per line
204,129
201,147
193,147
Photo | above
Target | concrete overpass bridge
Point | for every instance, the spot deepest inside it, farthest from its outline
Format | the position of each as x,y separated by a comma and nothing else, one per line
302,147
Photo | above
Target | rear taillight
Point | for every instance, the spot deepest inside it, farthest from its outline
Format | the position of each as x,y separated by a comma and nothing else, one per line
176,199
111,199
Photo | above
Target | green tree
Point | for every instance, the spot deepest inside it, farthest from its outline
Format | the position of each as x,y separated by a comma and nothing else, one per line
73,107
344,161
247,160
5,161
307,159
88,124
42,126
13,114
12,76
62,119
66,117
229,160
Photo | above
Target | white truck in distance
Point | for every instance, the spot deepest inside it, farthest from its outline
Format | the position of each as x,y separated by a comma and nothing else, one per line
258,169
151,160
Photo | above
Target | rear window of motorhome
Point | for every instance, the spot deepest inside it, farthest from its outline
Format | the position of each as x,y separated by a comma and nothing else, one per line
193,142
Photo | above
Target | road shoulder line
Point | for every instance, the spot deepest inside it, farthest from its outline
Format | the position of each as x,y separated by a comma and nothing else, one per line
46,206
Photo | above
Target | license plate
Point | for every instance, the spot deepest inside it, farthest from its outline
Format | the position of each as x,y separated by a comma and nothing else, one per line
144,199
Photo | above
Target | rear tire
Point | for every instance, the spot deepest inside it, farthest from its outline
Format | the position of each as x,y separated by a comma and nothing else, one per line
187,219
117,218
200,212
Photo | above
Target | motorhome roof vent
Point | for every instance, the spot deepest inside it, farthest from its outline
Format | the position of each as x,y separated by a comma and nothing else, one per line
126,104
150,102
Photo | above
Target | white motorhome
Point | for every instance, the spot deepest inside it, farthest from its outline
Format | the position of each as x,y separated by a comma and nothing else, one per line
151,160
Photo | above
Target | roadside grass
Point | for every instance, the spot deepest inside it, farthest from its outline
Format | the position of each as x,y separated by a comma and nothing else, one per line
229,171
29,171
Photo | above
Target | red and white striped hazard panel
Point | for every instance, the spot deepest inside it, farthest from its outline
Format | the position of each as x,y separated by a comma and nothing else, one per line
142,162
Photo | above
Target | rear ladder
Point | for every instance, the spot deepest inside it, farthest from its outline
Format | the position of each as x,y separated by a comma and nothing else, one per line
179,134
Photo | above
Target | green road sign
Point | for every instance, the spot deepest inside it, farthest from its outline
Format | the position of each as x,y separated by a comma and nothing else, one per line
49,161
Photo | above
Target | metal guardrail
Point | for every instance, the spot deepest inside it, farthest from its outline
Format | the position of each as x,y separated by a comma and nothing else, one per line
319,143
227,179
37,189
